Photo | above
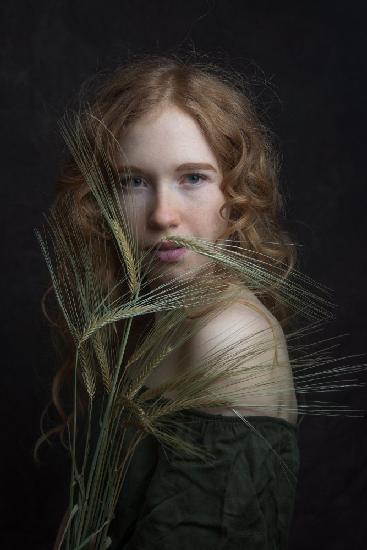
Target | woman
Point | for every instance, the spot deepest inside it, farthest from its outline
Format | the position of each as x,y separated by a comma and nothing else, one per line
194,161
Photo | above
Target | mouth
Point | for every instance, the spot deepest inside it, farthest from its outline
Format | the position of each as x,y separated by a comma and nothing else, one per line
170,255
167,251
166,245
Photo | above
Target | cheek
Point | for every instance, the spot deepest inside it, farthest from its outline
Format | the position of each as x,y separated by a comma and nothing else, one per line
133,211
218,217
207,222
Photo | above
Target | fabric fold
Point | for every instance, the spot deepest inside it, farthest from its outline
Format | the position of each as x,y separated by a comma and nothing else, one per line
243,499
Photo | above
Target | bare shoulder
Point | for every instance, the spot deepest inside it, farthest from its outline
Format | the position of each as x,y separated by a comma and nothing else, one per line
265,383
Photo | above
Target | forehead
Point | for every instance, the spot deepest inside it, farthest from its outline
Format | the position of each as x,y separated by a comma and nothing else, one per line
166,133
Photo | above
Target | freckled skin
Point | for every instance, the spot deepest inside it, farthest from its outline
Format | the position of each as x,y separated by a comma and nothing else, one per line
165,202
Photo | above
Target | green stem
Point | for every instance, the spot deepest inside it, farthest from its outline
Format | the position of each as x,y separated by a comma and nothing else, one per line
73,467
98,461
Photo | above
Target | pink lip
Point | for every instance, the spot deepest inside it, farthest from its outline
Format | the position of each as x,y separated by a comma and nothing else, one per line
170,255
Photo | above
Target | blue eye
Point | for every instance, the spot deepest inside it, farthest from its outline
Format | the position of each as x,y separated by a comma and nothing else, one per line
132,182
197,178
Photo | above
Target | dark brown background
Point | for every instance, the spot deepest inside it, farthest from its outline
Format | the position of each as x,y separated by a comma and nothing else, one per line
312,55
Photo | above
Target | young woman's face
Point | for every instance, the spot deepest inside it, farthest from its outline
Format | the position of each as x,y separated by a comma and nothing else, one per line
173,187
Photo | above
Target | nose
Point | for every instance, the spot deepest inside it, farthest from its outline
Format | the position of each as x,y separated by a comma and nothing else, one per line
164,213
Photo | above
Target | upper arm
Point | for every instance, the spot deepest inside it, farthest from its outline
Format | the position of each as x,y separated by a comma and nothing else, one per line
252,342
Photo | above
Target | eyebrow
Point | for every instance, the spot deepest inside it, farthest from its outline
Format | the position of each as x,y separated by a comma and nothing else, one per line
181,168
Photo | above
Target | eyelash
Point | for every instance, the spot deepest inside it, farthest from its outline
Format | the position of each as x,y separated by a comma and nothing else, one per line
124,180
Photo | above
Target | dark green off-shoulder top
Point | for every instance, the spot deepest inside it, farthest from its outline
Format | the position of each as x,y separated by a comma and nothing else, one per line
241,500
